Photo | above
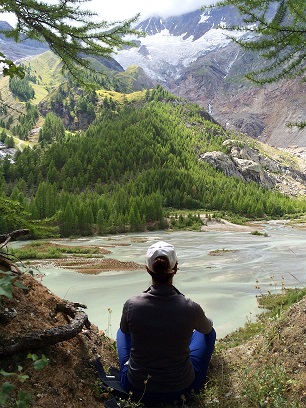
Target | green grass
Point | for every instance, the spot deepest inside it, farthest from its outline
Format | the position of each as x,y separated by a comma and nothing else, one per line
48,67
120,97
256,232
48,250
266,386
265,381
273,304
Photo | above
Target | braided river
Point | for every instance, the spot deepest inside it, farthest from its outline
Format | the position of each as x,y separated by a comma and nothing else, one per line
223,271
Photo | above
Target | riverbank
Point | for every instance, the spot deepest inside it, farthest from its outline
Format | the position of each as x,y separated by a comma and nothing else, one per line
259,364
221,270
262,364
94,262
224,225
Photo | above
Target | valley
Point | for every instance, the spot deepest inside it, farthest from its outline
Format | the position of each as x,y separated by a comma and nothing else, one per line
170,141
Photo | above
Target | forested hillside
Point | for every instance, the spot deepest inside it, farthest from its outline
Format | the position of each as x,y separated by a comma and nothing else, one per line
44,89
133,163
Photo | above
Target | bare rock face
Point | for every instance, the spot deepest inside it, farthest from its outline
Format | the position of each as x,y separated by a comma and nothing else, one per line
249,164
221,161
245,169
241,150
143,50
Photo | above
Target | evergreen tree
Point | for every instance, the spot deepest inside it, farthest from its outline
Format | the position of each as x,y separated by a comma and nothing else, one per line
9,142
102,221
68,221
53,175
279,29
52,129
127,168
3,136
21,88
26,122
85,219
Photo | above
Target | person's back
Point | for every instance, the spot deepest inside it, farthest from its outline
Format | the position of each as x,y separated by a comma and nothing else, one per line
154,340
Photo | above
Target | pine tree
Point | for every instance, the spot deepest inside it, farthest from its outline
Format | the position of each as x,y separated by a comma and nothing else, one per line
101,221
279,29
68,221
52,129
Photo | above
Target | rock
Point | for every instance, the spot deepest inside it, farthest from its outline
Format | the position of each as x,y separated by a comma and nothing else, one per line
221,161
249,164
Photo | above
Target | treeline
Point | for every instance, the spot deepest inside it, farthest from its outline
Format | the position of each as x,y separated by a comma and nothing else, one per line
129,166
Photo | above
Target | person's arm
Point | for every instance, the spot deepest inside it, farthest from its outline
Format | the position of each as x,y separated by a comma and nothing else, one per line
203,324
124,326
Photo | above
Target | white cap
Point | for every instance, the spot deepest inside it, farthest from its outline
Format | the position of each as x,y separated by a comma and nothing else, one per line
161,248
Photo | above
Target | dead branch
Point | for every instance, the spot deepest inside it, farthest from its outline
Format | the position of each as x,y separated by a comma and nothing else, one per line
5,262
6,238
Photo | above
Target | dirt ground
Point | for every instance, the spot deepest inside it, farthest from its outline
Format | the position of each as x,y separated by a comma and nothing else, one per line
274,358
90,266
69,379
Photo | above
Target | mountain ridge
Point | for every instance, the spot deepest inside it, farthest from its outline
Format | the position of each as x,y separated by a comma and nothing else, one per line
185,39
193,24
18,51
192,57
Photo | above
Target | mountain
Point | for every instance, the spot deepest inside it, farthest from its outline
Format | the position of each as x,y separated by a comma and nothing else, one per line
58,93
219,71
17,51
171,45
192,57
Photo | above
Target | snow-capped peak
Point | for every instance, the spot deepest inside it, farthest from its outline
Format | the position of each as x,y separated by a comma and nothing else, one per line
174,43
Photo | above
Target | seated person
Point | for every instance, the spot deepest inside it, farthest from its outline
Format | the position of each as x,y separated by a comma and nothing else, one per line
165,340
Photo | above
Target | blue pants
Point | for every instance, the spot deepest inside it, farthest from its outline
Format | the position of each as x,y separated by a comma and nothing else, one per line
201,349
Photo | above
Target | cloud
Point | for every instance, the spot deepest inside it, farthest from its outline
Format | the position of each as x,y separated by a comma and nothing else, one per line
122,9
117,10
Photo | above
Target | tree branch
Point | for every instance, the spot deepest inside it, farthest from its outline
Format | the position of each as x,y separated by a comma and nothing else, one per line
6,238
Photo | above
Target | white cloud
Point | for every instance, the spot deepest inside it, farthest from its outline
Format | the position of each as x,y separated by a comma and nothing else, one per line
122,9
9,18
116,10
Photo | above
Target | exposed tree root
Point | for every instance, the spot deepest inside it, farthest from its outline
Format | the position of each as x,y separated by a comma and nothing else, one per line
50,336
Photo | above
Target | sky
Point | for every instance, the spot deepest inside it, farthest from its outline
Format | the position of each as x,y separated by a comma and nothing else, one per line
116,10
121,9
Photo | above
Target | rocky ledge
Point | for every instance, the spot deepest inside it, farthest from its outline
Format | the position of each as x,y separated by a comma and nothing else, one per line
247,163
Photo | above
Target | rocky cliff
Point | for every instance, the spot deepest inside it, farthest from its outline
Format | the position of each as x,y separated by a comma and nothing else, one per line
217,83
250,164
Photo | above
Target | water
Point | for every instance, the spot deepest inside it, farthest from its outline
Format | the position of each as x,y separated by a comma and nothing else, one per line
225,285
